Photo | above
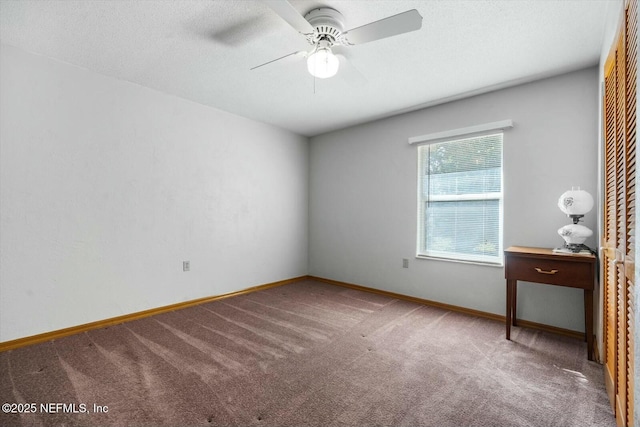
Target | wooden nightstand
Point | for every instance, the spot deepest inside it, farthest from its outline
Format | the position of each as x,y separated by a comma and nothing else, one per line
540,265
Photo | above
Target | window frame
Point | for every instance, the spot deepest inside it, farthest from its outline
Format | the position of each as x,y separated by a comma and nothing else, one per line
488,130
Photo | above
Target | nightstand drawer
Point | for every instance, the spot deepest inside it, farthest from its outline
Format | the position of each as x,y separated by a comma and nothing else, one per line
555,272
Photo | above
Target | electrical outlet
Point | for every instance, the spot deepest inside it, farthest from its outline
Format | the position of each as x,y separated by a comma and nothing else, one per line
186,265
405,263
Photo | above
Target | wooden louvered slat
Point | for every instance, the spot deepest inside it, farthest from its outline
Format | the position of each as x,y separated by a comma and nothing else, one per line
630,204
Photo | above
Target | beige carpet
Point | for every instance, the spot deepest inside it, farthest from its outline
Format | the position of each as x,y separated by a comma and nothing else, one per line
305,354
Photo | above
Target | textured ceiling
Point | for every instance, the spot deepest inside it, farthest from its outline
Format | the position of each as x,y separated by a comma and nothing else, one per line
202,51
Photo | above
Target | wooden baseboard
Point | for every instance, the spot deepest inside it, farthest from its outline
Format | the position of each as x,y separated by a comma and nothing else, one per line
47,336
478,313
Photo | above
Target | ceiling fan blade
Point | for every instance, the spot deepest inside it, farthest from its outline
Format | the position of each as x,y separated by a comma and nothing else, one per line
348,71
290,14
294,55
401,23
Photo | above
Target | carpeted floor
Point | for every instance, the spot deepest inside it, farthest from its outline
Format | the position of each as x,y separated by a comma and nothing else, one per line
305,354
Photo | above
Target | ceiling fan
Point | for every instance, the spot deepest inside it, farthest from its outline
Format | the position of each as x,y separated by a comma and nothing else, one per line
324,29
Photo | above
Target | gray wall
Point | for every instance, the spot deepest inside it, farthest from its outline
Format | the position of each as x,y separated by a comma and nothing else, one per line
106,187
363,196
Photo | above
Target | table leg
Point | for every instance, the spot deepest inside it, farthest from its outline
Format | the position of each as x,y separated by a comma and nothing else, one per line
509,306
514,303
588,321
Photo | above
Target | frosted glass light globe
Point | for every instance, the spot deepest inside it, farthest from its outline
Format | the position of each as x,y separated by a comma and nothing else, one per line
323,63
574,234
575,202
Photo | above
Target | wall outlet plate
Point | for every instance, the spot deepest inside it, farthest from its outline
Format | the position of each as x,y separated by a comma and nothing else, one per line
186,265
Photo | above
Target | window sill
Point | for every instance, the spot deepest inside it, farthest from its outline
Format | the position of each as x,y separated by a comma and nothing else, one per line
499,264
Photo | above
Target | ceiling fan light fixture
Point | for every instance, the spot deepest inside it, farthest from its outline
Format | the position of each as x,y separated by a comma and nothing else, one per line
323,63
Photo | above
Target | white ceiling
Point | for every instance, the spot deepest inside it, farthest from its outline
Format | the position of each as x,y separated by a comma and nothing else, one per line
202,50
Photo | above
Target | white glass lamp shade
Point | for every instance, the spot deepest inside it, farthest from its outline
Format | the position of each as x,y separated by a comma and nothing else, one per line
575,202
323,63
575,234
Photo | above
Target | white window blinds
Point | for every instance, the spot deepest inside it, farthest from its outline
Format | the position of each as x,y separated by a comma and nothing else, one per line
460,199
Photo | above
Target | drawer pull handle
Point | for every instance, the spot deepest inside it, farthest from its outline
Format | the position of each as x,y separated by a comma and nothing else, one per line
539,270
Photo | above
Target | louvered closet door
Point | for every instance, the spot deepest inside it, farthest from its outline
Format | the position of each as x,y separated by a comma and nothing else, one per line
618,236
628,299
622,222
609,235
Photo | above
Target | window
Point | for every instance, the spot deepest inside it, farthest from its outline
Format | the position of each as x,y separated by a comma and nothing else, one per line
460,199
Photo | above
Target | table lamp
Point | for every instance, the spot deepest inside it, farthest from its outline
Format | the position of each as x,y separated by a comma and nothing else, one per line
575,203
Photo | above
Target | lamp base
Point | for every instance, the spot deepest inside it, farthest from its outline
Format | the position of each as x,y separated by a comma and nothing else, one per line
574,248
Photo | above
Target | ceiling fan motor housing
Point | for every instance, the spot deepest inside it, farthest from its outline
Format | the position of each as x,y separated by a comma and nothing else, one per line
328,25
